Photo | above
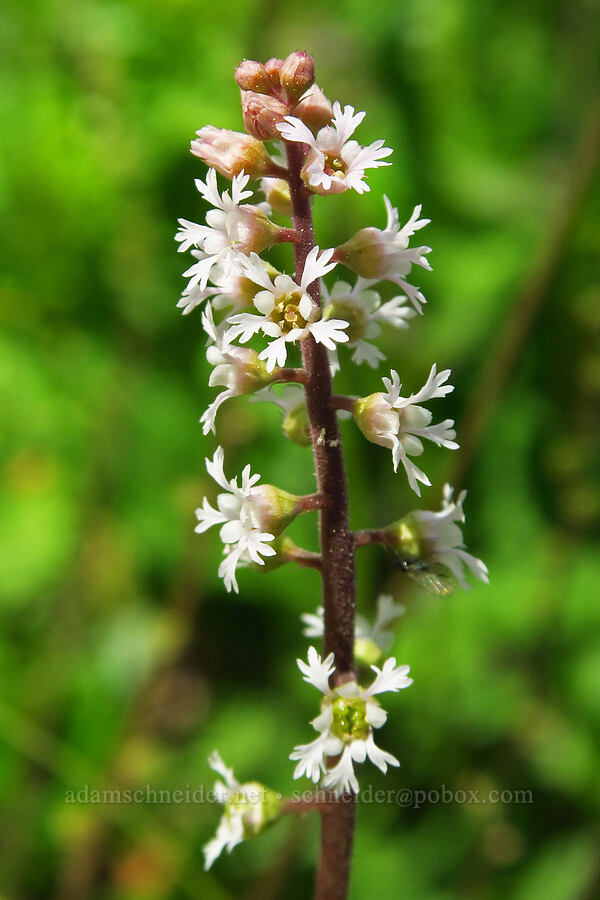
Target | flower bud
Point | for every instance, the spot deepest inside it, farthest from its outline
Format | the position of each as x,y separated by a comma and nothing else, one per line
296,427
273,69
314,109
277,194
376,419
261,114
251,76
297,74
368,253
230,152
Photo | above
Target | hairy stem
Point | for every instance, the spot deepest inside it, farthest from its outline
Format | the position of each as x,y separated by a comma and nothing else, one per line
337,545
369,536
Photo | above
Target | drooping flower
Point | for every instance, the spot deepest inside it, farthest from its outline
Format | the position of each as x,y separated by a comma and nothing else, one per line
232,229
376,254
334,163
436,537
287,312
349,713
365,313
237,369
400,423
249,809
371,641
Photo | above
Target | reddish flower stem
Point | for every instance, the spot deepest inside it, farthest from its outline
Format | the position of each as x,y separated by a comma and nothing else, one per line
311,501
297,376
340,401
369,536
337,543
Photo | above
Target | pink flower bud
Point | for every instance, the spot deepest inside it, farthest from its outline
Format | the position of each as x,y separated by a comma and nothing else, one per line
273,68
261,114
251,76
231,151
297,74
314,109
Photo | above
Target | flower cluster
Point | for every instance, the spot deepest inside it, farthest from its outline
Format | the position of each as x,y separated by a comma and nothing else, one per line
281,337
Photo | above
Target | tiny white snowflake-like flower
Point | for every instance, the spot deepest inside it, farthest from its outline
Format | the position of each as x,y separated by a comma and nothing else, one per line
400,423
237,369
365,313
441,538
249,809
371,641
287,312
384,254
334,163
349,713
239,517
232,229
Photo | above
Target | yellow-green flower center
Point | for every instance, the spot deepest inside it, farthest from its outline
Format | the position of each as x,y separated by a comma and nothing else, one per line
349,719
286,313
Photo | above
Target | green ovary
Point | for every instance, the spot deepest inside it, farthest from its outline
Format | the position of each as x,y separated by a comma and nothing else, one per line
350,719
286,313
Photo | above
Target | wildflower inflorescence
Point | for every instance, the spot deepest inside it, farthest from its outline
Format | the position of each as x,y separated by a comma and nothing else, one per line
257,318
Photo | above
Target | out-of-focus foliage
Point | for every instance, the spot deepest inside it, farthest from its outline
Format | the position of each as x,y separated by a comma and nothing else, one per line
122,661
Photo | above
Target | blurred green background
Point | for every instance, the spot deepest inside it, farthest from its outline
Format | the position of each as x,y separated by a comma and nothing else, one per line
122,660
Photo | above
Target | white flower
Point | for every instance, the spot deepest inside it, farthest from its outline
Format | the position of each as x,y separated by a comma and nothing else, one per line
334,163
376,254
249,809
399,422
288,313
349,713
370,640
238,516
231,230
443,538
237,369
364,311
